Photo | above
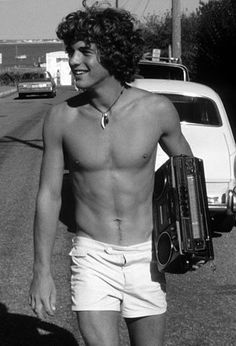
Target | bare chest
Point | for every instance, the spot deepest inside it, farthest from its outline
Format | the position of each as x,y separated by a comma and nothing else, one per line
122,146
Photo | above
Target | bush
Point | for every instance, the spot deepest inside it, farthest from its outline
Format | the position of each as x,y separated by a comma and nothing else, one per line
11,76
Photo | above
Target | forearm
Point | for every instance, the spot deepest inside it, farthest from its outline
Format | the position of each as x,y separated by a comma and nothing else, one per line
45,227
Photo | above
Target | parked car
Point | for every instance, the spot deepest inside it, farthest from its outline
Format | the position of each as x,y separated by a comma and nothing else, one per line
162,69
36,83
205,125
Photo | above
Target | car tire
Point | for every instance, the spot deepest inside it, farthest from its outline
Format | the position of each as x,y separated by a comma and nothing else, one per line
223,223
21,96
52,94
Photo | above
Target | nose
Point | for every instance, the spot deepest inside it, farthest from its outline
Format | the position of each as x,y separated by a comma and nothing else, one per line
75,58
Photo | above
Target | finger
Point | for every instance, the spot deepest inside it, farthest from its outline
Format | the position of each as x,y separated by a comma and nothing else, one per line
198,265
50,304
39,311
39,314
47,307
38,308
201,262
53,300
32,302
194,267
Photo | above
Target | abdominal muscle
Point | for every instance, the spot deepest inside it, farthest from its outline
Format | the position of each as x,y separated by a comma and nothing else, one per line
114,206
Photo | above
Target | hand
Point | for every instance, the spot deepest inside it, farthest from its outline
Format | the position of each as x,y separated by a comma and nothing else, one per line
42,295
198,264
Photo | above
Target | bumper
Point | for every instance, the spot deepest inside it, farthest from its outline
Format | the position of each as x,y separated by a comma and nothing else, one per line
229,207
35,91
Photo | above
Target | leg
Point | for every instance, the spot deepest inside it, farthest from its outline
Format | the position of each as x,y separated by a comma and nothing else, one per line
99,328
148,330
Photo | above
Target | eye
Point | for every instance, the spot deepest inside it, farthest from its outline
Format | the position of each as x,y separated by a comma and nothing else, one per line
87,51
69,51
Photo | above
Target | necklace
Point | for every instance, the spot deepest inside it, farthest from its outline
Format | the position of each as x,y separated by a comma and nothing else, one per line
105,115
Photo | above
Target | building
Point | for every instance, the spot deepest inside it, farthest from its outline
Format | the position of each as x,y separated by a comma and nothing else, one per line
57,64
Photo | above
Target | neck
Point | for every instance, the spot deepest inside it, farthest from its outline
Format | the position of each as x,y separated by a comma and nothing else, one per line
104,101
102,96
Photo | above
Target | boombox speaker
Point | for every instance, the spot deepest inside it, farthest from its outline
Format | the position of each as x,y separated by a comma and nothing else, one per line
180,215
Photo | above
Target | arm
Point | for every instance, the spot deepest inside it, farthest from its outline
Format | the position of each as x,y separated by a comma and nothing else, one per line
172,139
48,202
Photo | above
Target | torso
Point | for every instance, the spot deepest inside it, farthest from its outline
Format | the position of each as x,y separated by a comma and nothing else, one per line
113,168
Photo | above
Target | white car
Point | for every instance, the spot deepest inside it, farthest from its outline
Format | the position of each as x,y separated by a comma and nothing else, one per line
205,124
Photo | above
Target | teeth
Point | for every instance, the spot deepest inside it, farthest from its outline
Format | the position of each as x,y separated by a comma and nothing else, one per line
79,72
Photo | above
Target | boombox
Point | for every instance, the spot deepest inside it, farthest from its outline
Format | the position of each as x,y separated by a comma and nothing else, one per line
181,221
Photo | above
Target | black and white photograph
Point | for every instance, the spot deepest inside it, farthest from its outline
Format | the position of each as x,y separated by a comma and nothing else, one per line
117,173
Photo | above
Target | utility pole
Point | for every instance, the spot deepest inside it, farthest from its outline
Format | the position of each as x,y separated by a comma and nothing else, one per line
117,3
176,29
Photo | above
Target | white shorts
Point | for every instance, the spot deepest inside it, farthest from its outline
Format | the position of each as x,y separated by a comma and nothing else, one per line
106,277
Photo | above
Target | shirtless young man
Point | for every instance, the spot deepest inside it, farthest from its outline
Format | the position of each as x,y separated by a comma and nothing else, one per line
110,134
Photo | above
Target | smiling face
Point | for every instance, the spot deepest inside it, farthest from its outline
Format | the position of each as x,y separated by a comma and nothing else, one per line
85,66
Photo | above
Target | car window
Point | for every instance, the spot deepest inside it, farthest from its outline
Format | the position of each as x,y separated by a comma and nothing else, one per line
197,110
35,75
155,71
26,76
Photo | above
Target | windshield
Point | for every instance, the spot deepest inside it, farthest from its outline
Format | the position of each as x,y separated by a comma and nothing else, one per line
197,110
35,75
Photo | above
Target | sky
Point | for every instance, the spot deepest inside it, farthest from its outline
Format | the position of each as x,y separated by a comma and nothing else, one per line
38,19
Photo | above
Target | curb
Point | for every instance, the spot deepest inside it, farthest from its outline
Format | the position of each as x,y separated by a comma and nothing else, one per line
8,92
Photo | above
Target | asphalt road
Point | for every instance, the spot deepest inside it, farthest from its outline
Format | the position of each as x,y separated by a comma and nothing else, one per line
202,304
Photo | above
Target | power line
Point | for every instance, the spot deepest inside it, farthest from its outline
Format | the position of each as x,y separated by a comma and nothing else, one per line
147,4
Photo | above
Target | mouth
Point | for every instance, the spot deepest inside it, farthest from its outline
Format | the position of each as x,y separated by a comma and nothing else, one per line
79,73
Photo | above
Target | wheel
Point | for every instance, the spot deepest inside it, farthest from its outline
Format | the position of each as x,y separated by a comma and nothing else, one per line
52,94
223,223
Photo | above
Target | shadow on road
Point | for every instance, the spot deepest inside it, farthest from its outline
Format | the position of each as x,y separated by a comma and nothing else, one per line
23,330
30,143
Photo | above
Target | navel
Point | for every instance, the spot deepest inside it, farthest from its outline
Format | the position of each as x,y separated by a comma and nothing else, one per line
118,222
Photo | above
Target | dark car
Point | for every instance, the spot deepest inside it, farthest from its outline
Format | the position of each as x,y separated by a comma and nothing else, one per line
36,83
162,70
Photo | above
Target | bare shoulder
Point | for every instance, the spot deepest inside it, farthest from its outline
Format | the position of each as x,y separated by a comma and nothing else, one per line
156,104
54,121
55,114
60,114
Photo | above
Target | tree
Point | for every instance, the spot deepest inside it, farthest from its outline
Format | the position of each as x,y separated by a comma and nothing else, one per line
216,41
157,32
190,25
208,40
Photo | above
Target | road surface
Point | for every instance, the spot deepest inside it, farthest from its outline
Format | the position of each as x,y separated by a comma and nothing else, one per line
202,304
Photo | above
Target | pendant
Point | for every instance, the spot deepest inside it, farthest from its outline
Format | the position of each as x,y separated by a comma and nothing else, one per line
104,120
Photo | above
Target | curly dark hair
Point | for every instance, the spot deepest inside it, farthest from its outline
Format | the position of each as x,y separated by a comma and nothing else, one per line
113,31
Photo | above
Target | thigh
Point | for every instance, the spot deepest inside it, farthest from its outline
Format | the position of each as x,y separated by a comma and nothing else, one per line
99,328
148,330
